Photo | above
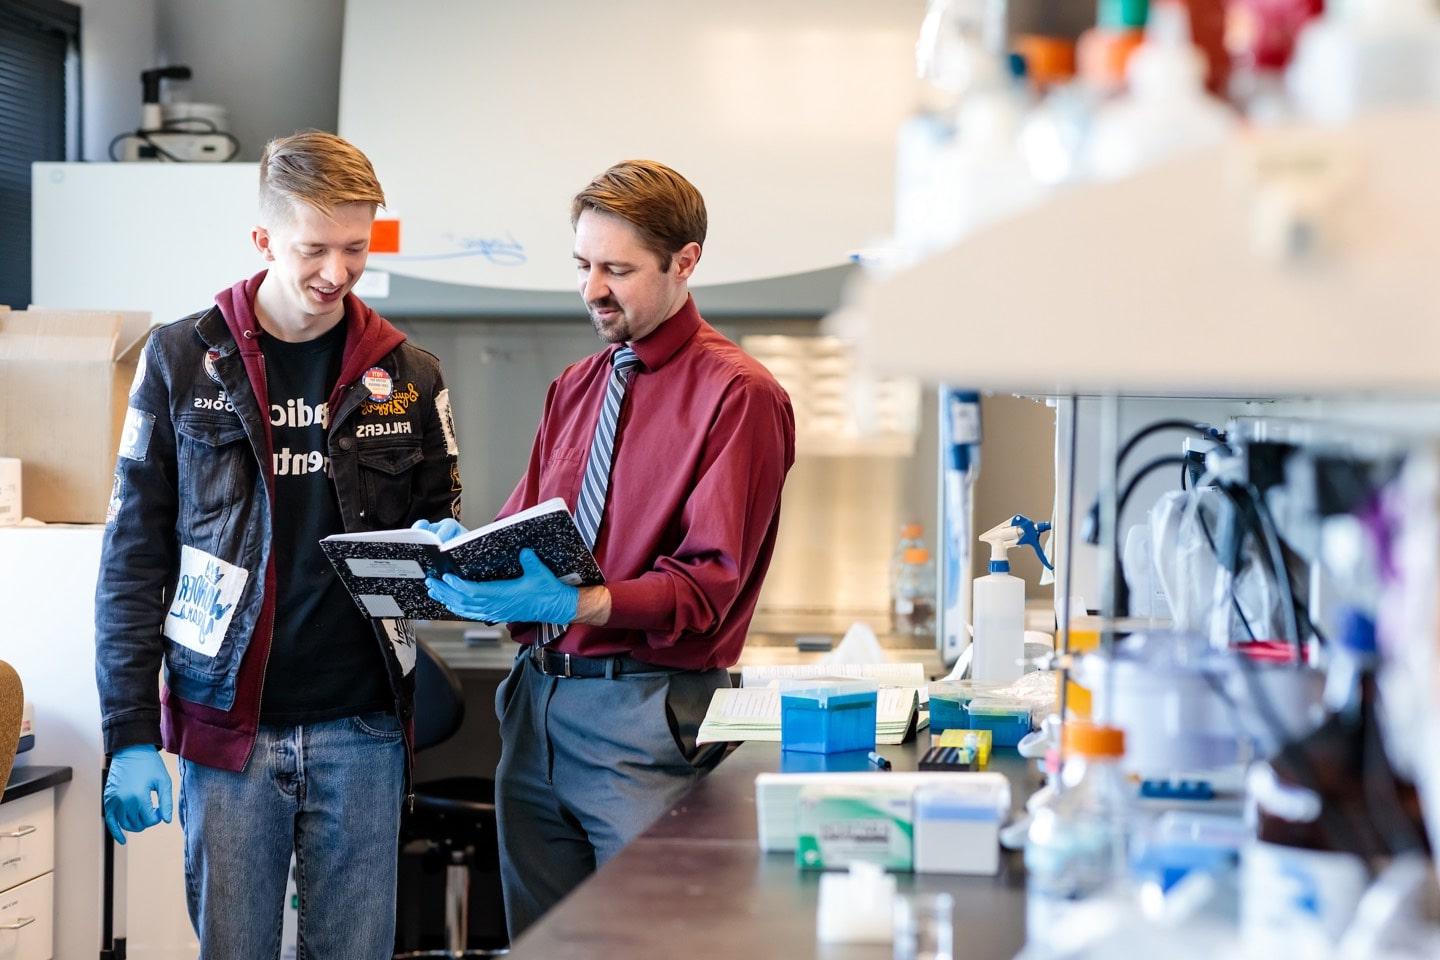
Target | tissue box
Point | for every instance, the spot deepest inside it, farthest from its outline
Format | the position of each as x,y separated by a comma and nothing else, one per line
840,825
827,717
777,796
10,506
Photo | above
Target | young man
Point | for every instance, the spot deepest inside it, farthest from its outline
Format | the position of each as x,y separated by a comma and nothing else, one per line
670,446
285,412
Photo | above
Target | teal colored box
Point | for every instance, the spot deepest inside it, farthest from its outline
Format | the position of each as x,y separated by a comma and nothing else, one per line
947,714
827,719
950,700
1007,725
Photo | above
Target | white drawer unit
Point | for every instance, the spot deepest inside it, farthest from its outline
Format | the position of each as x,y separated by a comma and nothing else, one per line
27,839
25,927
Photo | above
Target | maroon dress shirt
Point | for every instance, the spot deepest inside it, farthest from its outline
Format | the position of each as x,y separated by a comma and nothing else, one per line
705,439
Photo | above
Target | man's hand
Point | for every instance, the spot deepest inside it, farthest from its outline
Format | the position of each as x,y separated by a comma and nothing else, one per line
446,529
536,596
135,773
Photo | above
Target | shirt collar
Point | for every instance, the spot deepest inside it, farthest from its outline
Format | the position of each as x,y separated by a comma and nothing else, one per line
657,347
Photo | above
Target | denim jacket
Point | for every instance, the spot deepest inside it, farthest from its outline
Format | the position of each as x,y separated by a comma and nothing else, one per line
187,580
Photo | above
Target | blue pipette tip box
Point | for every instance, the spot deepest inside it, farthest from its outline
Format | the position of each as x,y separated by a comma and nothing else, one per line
950,701
828,718
846,761
1007,723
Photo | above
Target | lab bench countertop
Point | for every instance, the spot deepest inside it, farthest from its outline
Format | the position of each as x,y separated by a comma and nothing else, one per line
696,884
27,780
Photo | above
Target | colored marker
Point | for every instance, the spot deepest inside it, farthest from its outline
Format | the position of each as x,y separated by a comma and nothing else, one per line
879,761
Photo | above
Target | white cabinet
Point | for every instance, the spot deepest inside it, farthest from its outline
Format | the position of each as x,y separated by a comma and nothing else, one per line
27,878
27,838
27,920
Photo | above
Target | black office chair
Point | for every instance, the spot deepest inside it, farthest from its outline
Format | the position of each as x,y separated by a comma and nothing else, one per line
453,817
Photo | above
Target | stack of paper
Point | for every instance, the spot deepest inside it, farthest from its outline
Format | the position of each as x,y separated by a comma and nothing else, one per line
753,713
911,674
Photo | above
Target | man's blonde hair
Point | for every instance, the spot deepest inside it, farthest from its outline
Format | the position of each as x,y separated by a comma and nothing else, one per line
663,206
315,168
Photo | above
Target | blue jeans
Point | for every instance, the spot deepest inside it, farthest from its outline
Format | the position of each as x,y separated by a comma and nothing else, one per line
330,792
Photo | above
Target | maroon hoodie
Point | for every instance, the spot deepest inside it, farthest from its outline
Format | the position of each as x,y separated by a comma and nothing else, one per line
225,738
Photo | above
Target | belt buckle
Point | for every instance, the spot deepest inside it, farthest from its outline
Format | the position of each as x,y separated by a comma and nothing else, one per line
567,673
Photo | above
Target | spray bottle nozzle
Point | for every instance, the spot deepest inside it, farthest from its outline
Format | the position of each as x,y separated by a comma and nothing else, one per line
1019,530
1030,537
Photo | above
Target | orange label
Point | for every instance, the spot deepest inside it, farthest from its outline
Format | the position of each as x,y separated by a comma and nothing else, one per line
385,236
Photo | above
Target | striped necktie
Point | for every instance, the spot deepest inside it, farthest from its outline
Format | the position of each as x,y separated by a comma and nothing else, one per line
590,508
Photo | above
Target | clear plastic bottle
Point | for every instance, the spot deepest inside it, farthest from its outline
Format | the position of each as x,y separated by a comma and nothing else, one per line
912,535
1362,55
912,614
1166,111
1075,851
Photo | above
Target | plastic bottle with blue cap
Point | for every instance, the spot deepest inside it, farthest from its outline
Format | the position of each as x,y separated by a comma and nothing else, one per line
999,607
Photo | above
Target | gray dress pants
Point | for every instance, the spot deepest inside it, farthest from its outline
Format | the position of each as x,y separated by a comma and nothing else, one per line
586,765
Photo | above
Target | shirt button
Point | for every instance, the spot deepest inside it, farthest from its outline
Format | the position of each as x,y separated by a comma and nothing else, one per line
346,443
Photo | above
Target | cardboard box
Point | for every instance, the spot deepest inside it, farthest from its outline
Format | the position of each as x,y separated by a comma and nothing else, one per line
10,501
64,380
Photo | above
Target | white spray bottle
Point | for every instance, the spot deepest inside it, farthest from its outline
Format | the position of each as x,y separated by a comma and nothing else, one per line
999,608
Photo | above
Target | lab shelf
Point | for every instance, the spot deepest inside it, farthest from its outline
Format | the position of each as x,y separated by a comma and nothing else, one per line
1289,262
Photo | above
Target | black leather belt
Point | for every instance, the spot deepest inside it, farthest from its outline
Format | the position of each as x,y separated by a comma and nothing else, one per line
553,663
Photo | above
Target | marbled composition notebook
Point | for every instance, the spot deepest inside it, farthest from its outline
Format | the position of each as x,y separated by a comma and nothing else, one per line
385,570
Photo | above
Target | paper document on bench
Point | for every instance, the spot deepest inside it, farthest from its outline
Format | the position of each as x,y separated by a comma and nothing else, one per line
753,713
906,674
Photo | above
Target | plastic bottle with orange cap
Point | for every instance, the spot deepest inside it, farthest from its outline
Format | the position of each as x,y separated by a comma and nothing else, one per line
912,607
1075,853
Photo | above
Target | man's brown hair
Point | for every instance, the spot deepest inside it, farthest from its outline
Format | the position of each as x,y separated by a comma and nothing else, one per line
663,206
316,168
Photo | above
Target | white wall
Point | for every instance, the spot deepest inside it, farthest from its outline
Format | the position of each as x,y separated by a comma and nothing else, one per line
51,644
274,64
117,41
484,119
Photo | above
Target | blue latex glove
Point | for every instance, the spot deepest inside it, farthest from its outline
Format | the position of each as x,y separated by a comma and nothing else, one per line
136,772
534,597
446,529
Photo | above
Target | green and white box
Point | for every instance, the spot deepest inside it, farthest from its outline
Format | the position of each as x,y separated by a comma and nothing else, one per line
840,825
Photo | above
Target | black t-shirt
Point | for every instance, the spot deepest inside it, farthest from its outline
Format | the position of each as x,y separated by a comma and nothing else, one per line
325,661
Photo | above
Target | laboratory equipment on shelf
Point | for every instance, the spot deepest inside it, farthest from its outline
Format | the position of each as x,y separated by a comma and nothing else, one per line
999,608
913,606
178,132
1075,853
960,437
1166,109
958,163
912,536
1363,54
1329,809
1103,52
